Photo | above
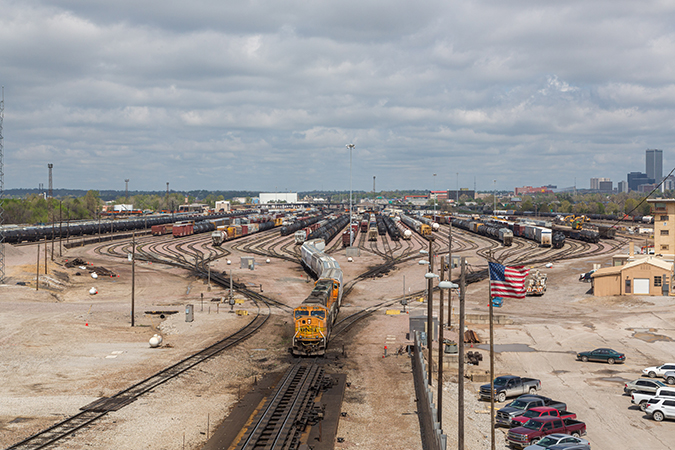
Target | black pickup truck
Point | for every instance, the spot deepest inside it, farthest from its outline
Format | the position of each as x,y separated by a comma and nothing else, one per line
510,386
523,403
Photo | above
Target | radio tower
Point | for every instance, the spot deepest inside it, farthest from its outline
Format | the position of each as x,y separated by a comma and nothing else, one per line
126,189
2,191
50,193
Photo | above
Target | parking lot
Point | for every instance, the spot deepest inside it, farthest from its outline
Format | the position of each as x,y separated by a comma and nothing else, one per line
567,320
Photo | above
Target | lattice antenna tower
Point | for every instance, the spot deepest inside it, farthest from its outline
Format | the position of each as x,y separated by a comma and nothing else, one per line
126,189
2,190
50,193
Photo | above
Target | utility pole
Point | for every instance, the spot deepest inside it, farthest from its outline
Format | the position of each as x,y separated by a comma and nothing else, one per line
440,349
133,274
460,373
2,190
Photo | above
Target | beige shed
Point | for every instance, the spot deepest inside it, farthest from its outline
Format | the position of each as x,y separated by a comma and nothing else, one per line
645,276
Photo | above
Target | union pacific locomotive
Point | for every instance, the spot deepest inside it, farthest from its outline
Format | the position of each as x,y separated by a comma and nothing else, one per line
315,317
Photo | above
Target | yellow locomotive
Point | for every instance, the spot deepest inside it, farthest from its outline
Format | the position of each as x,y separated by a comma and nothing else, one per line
315,317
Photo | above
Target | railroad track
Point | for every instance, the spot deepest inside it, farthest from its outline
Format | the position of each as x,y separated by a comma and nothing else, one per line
286,413
96,410
91,413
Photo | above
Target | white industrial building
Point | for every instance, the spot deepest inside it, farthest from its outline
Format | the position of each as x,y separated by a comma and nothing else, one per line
276,197
223,205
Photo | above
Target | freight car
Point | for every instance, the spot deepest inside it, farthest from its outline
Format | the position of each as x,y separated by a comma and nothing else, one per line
405,232
578,235
181,229
346,233
364,222
315,317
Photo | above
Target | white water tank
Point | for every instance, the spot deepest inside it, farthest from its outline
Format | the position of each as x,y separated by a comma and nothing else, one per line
155,341
93,291
94,275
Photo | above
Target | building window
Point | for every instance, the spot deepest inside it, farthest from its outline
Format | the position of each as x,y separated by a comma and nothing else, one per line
657,281
664,218
664,246
664,232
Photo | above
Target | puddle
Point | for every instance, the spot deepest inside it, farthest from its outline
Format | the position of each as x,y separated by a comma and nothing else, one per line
649,335
500,348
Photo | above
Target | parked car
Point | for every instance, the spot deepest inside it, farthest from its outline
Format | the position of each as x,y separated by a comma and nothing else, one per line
660,408
642,385
569,447
658,371
602,355
586,277
641,398
540,411
510,386
524,403
557,439
669,377
537,428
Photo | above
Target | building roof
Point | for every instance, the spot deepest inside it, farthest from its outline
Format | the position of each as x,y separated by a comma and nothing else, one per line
607,271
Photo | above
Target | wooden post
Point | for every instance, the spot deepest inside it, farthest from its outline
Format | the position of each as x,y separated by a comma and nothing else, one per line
492,370
45,258
37,270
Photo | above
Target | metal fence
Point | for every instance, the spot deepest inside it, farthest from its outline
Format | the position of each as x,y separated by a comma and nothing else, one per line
432,434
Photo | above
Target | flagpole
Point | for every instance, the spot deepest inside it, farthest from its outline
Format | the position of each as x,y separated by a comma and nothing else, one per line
492,367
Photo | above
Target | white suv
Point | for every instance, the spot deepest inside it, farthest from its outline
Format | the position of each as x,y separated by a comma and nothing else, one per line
661,408
658,371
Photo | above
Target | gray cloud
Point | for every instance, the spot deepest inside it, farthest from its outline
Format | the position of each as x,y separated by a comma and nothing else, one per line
264,95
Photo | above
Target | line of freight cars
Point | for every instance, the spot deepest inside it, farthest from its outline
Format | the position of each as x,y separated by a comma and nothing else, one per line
504,232
392,229
16,235
498,232
328,231
611,217
421,228
577,235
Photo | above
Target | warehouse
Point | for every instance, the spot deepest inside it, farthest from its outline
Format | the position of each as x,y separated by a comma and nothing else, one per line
644,276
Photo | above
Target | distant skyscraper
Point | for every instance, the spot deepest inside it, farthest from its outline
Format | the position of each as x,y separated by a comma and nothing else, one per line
622,186
655,165
595,183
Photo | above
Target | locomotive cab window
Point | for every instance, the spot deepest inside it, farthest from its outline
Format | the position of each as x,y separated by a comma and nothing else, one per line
299,314
319,313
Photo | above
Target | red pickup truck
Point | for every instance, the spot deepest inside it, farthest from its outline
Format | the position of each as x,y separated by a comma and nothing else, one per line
540,411
538,427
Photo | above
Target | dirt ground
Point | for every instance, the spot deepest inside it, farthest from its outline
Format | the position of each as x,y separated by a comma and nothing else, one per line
63,348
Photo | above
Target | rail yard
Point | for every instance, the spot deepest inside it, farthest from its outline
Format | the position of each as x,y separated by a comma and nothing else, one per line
232,368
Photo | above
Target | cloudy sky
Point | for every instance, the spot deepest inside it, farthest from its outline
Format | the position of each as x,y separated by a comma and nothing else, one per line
264,95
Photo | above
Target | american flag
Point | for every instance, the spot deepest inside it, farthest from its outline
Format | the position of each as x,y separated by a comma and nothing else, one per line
507,281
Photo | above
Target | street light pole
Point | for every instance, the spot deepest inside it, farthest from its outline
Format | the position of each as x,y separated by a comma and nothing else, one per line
351,232
430,308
